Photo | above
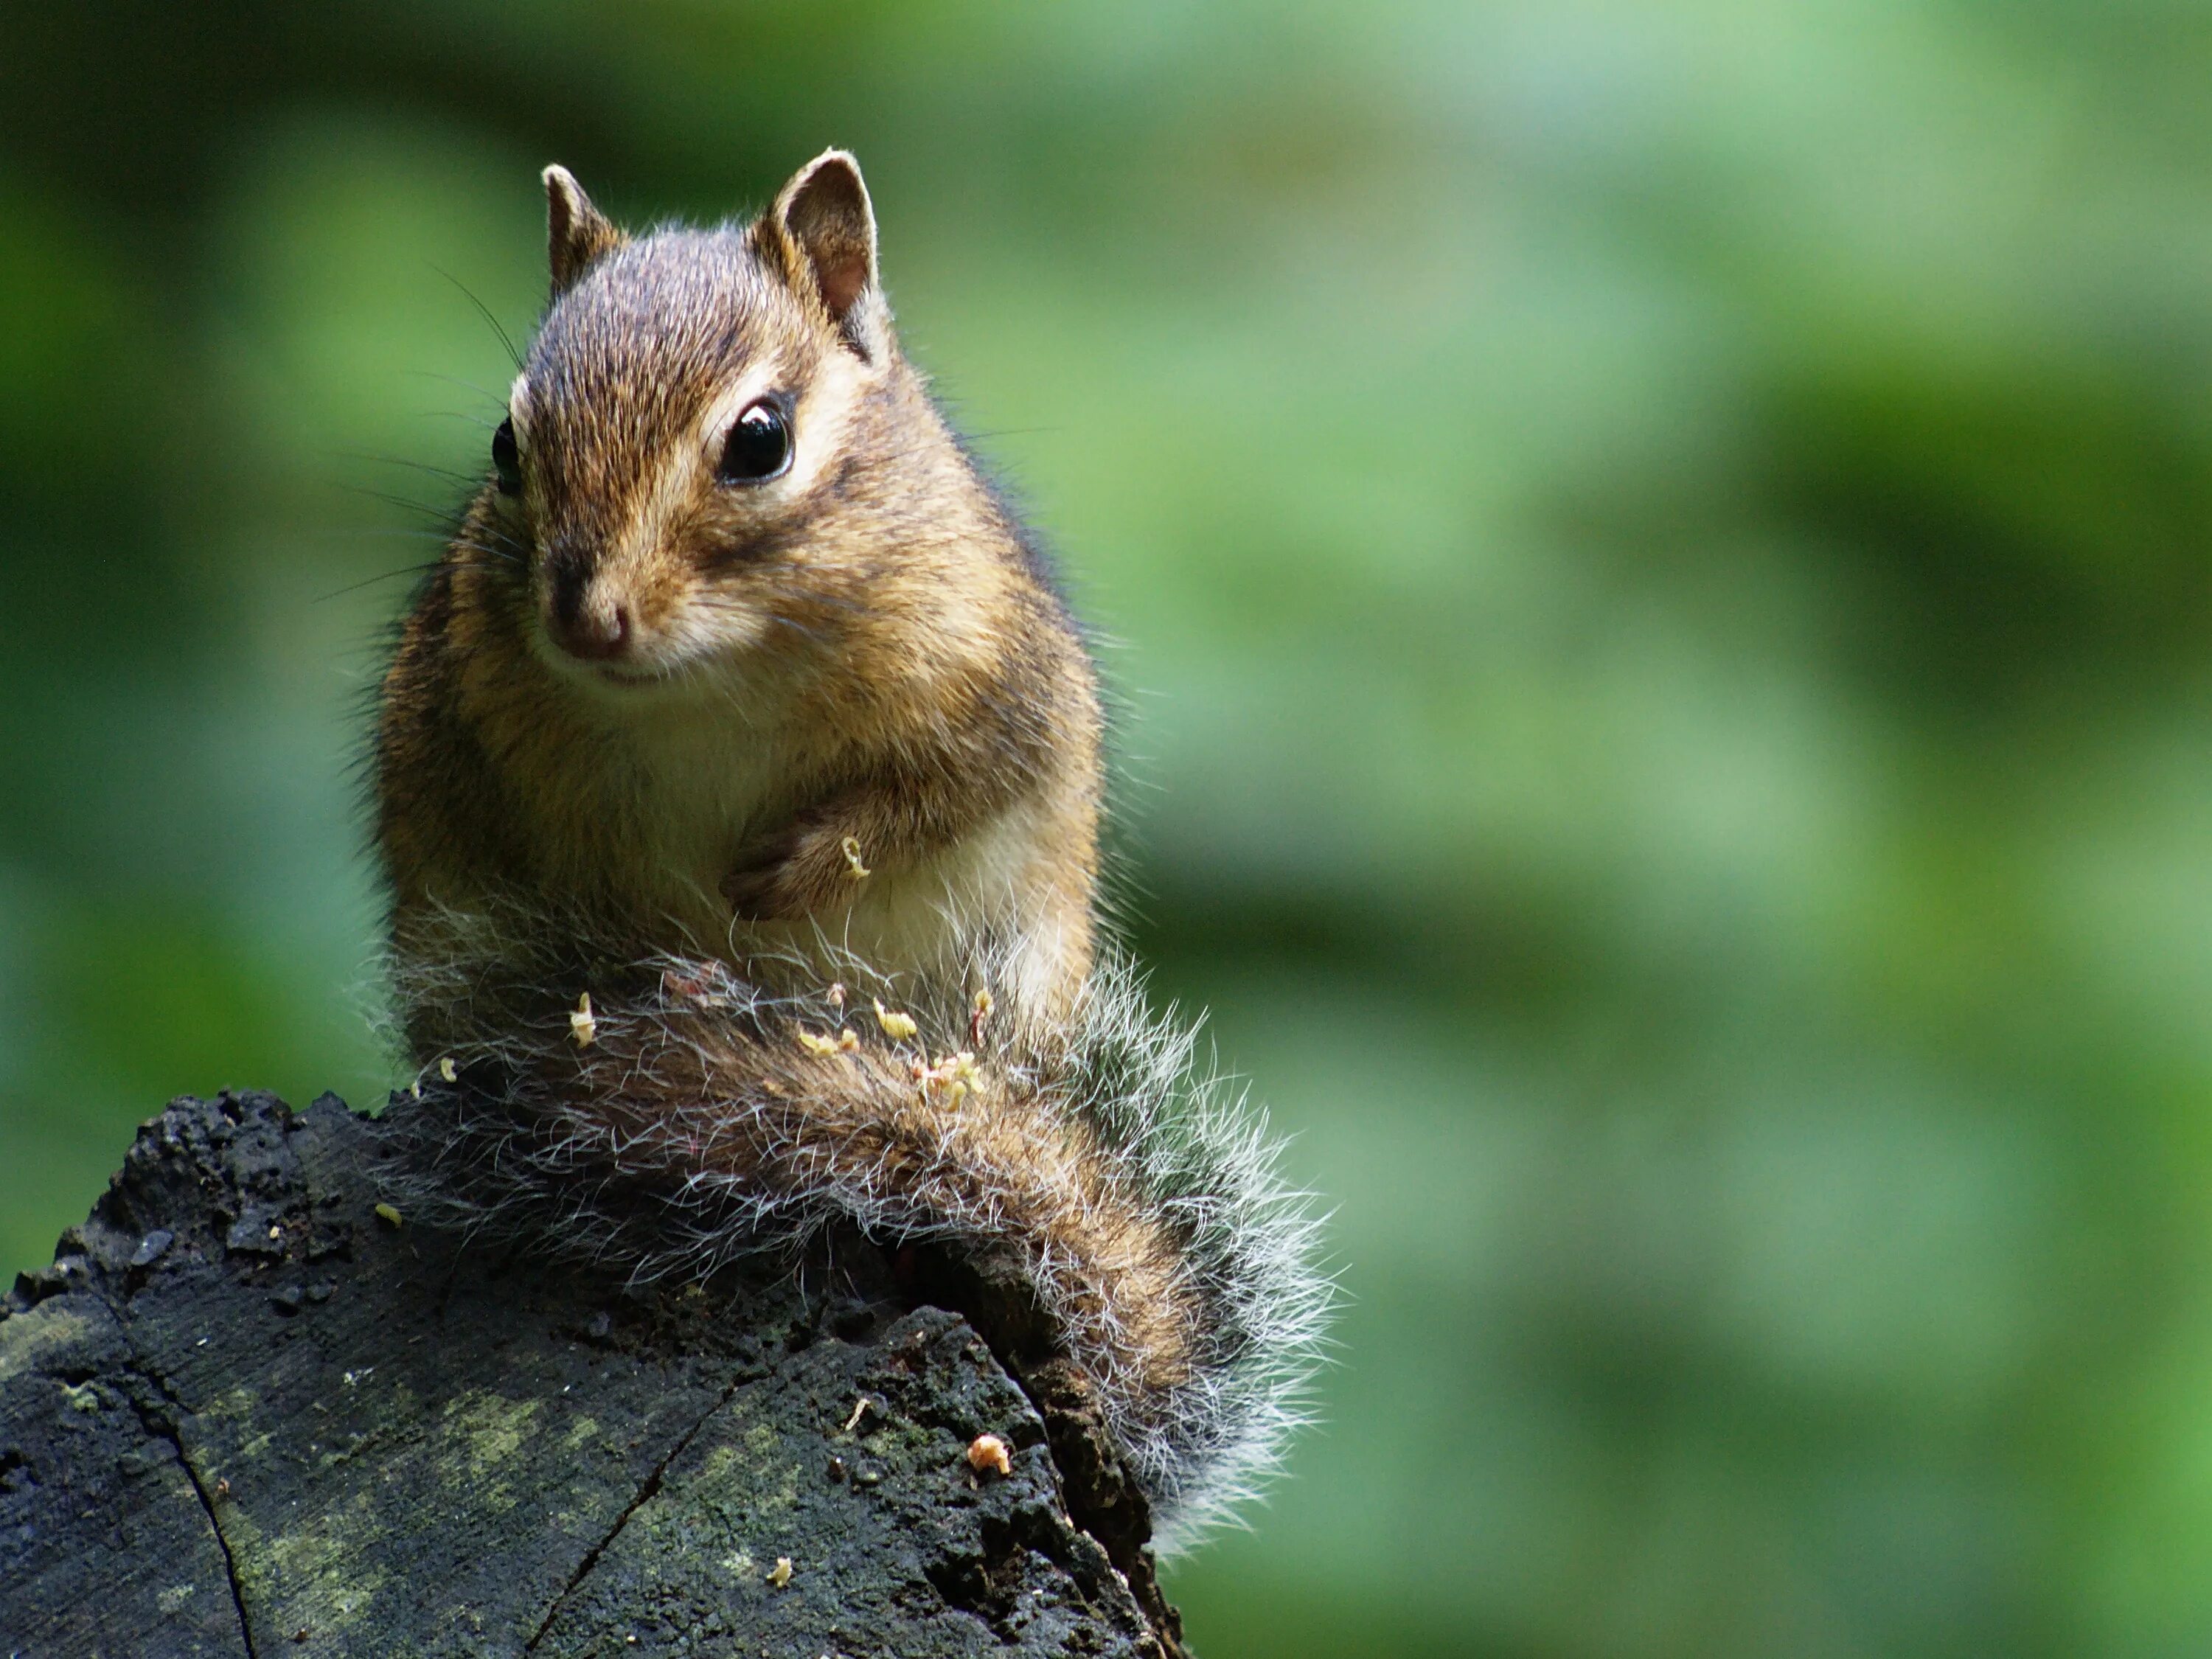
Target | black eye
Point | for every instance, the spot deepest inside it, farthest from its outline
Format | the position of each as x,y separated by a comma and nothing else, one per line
506,460
759,445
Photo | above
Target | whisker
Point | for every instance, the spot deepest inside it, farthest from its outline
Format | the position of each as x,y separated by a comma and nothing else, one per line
477,420
414,466
371,581
484,393
484,311
438,513
491,558
492,536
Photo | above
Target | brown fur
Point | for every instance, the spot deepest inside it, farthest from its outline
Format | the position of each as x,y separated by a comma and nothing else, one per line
861,655
986,1145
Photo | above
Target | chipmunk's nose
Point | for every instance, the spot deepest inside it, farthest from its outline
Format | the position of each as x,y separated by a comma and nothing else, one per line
596,634
588,621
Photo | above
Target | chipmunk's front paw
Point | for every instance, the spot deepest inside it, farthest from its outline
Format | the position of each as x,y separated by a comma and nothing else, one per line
809,868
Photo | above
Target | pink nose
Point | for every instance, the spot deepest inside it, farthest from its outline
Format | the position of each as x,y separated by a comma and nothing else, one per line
592,633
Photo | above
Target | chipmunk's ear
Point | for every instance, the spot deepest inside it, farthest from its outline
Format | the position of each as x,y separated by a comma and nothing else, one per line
822,234
576,232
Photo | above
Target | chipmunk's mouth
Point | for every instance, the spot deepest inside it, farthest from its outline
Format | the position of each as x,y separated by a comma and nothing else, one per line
628,676
617,674
636,679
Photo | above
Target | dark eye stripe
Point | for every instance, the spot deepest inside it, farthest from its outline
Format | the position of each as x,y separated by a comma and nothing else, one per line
756,549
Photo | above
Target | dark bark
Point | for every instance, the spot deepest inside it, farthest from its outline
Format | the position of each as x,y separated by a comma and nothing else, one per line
244,1414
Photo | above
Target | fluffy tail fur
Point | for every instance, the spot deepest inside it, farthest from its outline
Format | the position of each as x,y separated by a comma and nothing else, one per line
684,1116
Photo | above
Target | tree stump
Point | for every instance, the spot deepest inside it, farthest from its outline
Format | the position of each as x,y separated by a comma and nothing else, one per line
249,1410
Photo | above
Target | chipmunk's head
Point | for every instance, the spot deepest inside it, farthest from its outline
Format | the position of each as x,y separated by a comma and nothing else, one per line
703,456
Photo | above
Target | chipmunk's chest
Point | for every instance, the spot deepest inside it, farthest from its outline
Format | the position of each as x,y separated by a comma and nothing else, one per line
655,806
693,786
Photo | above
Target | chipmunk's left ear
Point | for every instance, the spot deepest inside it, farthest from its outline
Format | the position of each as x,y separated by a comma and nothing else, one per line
822,234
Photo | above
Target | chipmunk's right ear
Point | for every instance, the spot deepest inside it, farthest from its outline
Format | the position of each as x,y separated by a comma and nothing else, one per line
576,232
821,234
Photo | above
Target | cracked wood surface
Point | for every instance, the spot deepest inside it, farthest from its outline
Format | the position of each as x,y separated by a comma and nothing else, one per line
244,1414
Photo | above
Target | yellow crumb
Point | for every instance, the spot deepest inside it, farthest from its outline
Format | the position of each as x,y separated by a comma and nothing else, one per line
446,1068
988,1451
388,1214
897,1026
817,1045
780,1574
955,1074
852,850
581,1025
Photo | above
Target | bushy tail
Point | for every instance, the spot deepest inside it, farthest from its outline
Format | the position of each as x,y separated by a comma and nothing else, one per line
685,1116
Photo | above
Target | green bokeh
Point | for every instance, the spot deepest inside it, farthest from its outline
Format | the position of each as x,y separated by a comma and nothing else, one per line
1658,559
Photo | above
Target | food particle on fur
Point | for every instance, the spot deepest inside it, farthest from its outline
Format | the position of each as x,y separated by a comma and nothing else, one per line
835,995
897,1027
780,1575
986,1452
982,1011
388,1214
581,1025
954,1075
691,987
851,848
861,1408
814,1043
446,1069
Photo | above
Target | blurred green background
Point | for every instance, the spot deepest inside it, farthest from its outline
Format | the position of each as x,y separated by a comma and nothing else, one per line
1660,558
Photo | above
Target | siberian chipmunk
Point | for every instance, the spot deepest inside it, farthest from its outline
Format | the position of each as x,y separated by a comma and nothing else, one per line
736,655
738,683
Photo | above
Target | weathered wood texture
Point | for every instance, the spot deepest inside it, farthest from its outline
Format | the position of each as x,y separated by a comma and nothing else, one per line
244,1415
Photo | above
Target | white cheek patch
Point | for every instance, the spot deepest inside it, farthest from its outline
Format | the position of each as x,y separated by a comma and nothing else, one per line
710,625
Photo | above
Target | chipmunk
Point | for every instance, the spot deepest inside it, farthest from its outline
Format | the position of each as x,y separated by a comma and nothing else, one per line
736,654
738,697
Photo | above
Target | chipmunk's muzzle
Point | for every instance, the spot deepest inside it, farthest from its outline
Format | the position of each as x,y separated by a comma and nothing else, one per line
584,615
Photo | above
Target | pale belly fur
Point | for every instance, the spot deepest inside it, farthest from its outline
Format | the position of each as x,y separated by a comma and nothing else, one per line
693,786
